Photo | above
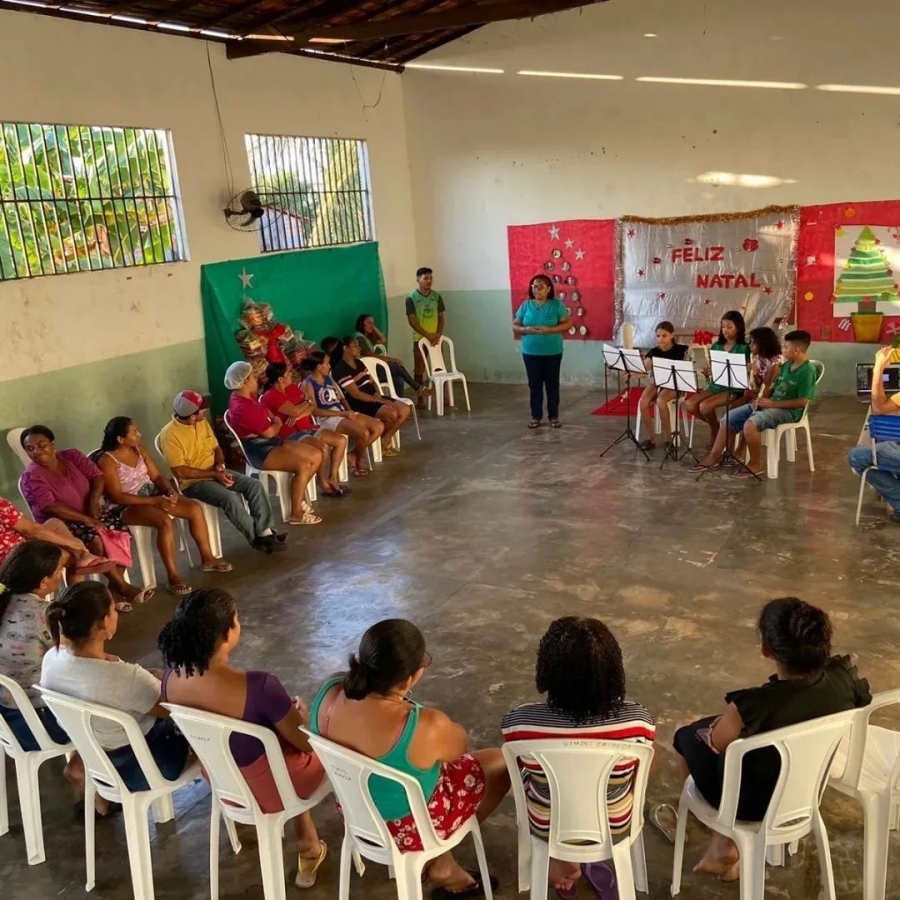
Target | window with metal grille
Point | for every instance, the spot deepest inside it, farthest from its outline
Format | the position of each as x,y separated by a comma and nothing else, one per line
316,191
76,198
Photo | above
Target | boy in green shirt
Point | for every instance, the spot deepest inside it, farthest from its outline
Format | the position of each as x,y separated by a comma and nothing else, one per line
425,314
791,392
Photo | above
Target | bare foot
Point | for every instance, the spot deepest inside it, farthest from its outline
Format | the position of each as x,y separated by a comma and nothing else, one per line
446,872
563,875
720,866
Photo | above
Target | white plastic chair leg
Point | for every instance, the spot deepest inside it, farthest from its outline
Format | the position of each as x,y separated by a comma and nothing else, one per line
311,493
439,397
211,514
466,392
344,470
375,447
809,449
894,817
415,416
482,864
877,821
163,809
624,874
678,855
271,860
790,445
137,835
90,855
824,851
214,850
30,806
184,540
233,838
540,870
859,502
4,796
347,854
752,869
639,865
773,451
775,855
142,539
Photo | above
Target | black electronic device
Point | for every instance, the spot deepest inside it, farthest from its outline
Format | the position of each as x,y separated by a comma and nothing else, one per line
890,379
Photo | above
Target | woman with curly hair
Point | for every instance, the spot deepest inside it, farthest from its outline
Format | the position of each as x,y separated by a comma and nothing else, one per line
579,668
368,709
808,682
196,647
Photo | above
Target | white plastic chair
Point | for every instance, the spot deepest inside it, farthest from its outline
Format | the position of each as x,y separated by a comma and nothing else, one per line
807,751
867,767
380,373
366,833
27,762
578,774
14,439
210,513
209,734
439,374
772,438
75,716
281,480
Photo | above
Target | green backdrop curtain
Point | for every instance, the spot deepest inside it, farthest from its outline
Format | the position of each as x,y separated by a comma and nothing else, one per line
318,292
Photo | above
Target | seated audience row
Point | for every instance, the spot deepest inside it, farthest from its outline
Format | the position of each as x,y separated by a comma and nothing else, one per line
368,709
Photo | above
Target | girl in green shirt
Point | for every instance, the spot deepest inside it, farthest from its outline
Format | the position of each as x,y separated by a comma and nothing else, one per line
705,404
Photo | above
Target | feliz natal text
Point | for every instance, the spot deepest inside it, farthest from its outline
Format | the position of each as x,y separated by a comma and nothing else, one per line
713,254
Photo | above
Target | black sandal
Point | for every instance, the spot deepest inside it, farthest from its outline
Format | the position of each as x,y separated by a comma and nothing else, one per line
474,890
534,423
555,423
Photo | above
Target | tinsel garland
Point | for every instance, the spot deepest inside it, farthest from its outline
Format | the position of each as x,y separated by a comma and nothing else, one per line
714,217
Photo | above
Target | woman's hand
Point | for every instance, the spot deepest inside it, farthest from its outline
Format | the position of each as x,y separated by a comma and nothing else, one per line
97,525
302,708
96,506
164,502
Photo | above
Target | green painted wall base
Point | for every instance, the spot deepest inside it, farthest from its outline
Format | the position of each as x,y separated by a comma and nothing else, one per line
76,403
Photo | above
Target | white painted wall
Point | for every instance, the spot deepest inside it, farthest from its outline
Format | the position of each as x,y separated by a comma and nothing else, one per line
487,151
74,73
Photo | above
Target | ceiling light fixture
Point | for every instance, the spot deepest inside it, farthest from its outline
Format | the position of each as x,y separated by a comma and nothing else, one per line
268,37
131,20
590,75
858,89
441,68
171,26
733,179
84,12
216,34
651,34
36,3
327,40
726,82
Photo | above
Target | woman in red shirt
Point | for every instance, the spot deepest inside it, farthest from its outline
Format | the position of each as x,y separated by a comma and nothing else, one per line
257,429
285,400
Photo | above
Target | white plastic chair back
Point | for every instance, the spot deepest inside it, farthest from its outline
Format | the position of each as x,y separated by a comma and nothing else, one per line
350,772
807,751
578,773
434,356
27,762
820,374
14,439
75,718
380,373
209,734
29,511
851,757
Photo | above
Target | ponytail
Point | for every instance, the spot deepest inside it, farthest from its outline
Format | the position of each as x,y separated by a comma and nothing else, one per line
390,652
115,428
77,611
25,568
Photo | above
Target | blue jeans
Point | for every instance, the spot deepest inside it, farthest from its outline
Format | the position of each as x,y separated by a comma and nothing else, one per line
763,419
250,524
543,372
23,733
168,747
886,478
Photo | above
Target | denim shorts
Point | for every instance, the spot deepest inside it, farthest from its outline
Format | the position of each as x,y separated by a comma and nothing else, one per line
300,435
23,733
256,449
168,747
763,419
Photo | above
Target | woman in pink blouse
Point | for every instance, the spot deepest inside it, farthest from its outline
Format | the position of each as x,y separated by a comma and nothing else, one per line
66,485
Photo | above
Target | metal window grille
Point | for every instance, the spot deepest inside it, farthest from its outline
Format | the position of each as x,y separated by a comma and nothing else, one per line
317,191
78,198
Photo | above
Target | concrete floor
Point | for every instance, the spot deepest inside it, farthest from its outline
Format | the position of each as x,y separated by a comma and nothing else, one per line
482,534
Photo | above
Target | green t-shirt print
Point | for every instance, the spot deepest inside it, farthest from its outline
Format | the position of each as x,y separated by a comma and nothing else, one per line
425,309
792,384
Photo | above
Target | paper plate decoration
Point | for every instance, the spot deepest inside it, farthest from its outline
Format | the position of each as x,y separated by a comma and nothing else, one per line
571,280
573,330
562,295
582,330
566,266
557,279
576,296
579,311
548,266
557,253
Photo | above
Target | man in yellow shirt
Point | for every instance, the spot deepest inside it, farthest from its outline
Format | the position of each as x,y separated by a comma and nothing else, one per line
196,460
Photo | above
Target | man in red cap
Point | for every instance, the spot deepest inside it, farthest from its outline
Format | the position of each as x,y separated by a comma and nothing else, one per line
196,460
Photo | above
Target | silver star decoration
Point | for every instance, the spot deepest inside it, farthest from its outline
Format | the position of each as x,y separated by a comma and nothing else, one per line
554,233
245,278
579,254
570,244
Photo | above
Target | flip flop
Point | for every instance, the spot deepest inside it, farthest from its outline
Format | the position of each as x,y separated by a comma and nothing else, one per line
699,469
144,595
97,567
123,606
474,890
747,474
534,423
555,423
306,879
602,880
654,815
179,590
219,566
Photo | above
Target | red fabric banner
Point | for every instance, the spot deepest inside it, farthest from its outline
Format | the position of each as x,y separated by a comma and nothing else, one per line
579,257
815,264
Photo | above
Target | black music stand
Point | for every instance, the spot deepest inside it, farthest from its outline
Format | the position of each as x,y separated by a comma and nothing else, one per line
675,375
629,362
728,370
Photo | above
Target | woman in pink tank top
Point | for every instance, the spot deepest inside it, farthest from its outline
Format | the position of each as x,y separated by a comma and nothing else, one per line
136,487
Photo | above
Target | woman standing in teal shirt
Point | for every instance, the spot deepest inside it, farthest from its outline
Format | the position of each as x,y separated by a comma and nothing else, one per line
541,321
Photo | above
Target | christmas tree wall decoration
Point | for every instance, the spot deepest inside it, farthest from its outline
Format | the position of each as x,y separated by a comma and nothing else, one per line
867,276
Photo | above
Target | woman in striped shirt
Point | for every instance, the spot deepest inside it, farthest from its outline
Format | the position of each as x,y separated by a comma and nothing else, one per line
579,668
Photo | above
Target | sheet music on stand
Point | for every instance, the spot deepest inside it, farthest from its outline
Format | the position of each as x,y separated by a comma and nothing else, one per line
729,370
675,375
630,362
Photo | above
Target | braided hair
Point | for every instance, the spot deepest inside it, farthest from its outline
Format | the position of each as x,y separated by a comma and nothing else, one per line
579,667
796,634
77,611
201,622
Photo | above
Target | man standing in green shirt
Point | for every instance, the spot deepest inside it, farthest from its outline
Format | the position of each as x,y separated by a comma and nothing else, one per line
425,314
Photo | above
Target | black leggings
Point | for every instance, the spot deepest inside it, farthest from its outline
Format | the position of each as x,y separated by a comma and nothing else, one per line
543,372
400,374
